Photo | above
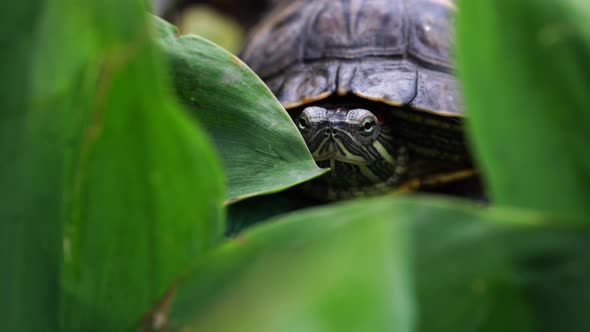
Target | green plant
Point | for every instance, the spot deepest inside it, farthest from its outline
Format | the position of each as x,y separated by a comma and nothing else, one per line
114,196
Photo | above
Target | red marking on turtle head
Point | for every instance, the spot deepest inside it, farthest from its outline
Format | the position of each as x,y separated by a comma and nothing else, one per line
380,117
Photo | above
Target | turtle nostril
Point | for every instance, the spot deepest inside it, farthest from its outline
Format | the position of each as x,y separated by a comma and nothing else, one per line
327,132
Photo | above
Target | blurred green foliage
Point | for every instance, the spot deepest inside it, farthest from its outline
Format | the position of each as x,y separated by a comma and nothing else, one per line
399,265
30,182
110,190
208,23
525,71
112,196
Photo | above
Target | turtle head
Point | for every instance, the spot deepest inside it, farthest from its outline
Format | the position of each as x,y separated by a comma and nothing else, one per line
357,145
340,134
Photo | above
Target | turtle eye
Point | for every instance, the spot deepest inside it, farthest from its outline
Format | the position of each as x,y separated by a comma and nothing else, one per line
368,126
302,123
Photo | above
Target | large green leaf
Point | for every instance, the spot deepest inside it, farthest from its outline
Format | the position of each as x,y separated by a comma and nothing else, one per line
497,270
525,71
262,151
146,188
383,265
30,180
336,269
94,142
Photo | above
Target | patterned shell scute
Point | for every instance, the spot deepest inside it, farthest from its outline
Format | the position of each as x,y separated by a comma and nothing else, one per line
392,51
430,32
354,28
391,82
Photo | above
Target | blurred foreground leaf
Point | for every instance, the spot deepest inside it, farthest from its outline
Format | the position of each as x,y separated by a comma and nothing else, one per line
497,269
261,149
146,191
383,265
525,69
329,270
94,142
30,179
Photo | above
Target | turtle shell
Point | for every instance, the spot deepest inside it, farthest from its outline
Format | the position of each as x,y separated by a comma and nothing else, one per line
390,51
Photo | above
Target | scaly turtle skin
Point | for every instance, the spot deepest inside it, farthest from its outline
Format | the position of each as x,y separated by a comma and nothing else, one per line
370,85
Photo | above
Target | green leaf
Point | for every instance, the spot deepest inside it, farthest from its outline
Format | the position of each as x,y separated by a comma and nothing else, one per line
338,269
497,270
262,151
163,30
384,265
525,71
95,143
146,187
30,177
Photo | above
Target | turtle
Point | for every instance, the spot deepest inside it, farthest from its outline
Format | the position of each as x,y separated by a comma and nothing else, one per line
371,86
